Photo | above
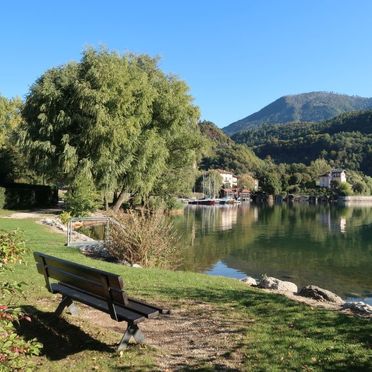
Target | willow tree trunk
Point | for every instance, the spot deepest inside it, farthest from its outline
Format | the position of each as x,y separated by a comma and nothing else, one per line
123,197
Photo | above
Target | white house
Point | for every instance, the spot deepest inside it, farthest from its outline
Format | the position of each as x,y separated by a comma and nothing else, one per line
338,175
228,179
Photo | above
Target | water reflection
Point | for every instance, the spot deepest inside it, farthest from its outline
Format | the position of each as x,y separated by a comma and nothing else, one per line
327,246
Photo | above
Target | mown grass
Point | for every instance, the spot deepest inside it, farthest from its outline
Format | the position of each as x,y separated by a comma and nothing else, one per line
5,213
279,334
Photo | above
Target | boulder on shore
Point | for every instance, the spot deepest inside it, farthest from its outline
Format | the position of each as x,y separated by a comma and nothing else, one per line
249,281
269,282
320,294
358,307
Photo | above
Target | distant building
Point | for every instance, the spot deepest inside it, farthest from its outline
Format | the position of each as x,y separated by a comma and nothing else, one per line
337,175
228,179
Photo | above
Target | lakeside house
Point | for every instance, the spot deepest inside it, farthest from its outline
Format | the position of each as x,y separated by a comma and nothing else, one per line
230,187
229,180
338,175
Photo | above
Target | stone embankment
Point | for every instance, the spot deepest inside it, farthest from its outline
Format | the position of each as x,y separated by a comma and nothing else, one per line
311,295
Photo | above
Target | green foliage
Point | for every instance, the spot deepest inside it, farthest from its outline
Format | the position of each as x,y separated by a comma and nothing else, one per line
2,197
174,204
82,197
211,183
147,238
345,189
135,124
12,247
246,181
314,106
14,350
12,163
221,152
343,142
270,182
65,216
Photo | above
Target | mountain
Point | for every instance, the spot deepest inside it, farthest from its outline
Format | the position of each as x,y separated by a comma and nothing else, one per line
344,141
220,151
306,107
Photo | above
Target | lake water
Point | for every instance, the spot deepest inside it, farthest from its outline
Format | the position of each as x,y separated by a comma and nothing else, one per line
328,246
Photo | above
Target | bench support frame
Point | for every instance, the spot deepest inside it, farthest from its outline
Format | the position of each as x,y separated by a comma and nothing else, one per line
66,302
131,331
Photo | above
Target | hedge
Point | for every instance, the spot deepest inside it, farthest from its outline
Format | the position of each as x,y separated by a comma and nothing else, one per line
24,196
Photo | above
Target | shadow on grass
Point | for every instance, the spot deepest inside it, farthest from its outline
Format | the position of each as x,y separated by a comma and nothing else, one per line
60,338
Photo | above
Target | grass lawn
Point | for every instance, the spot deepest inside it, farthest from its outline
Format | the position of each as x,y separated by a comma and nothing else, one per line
5,212
239,327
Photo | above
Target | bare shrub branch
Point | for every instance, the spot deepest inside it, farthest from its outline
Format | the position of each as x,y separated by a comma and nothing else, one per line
145,238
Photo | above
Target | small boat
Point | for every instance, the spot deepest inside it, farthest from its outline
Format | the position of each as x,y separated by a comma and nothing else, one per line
203,202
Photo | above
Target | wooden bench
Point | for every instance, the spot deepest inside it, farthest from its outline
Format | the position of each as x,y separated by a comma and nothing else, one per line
96,288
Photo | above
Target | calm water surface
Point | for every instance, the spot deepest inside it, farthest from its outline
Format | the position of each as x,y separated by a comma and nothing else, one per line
327,246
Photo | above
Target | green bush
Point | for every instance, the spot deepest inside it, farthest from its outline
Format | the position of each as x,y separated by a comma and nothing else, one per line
65,217
14,350
12,247
2,197
174,204
82,196
24,196
344,189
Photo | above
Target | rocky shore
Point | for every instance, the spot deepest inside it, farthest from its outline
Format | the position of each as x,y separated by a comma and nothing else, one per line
311,295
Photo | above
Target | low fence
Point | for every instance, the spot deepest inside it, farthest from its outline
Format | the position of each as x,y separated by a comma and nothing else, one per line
85,230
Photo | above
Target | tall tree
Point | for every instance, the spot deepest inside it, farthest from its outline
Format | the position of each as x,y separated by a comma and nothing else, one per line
10,119
135,124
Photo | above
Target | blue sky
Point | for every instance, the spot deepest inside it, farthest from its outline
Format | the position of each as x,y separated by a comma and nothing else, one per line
236,55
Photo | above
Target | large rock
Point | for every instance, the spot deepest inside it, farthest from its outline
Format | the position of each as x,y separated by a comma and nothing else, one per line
320,294
249,281
358,307
269,282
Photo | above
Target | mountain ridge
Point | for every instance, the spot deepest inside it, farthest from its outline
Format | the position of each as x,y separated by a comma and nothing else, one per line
304,107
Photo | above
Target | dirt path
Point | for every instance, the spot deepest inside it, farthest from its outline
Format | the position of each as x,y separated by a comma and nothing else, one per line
36,214
193,336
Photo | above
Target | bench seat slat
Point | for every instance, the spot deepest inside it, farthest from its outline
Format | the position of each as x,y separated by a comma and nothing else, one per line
159,309
99,304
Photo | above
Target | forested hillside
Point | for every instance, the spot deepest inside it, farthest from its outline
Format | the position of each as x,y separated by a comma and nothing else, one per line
220,151
306,107
345,141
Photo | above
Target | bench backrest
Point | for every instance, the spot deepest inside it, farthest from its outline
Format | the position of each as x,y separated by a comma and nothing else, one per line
101,284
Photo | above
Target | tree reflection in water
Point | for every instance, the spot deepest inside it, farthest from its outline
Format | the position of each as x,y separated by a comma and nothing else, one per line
325,245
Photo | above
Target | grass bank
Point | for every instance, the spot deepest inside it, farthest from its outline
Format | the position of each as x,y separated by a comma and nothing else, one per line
218,323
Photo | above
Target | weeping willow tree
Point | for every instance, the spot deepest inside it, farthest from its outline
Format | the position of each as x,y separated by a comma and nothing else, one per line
136,125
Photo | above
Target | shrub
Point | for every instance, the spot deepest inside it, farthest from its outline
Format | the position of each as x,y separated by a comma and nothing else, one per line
65,217
174,204
145,238
23,196
82,196
14,350
12,247
345,189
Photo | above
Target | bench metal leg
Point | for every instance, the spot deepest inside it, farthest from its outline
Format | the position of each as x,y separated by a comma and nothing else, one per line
66,302
131,331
